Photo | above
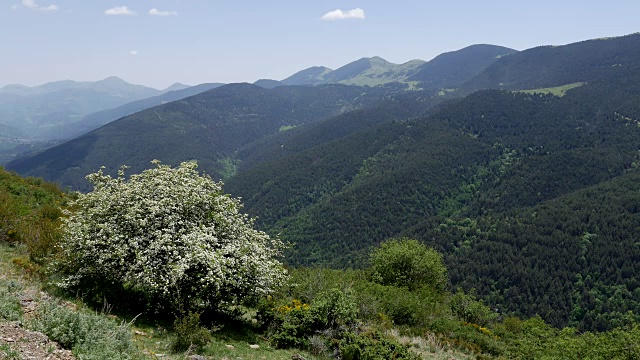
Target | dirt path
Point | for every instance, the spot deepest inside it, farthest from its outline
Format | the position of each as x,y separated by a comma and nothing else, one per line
18,343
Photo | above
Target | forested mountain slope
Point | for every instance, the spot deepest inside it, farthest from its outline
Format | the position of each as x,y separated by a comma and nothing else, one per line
208,127
472,179
446,70
451,69
531,196
95,120
546,66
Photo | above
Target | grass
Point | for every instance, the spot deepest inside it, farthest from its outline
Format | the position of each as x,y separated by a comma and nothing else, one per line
6,352
286,127
229,344
444,92
430,346
384,73
93,334
557,91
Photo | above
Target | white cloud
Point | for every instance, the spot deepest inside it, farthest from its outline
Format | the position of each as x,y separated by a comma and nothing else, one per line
31,4
338,14
133,52
119,10
157,12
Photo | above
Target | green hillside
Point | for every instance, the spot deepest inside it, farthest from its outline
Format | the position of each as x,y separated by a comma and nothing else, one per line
95,120
470,169
209,127
315,314
373,71
550,66
311,76
444,71
530,195
451,69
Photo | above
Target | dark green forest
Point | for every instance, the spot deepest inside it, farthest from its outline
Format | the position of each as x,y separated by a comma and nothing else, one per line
505,184
397,306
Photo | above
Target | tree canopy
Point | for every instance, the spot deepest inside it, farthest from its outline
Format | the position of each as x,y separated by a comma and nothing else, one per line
408,263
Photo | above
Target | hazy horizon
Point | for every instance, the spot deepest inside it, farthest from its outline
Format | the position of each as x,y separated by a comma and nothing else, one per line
159,43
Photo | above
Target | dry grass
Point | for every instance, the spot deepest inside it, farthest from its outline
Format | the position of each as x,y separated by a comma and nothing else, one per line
429,346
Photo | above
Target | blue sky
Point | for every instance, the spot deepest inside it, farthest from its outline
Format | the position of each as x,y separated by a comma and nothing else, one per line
159,42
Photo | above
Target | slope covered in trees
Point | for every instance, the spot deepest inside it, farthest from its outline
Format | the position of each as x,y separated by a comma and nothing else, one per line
444,71
100,118
451,69
473,180
397,308
530,196
207,127
547,66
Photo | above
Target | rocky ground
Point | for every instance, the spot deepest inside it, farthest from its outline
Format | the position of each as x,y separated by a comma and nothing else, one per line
19,343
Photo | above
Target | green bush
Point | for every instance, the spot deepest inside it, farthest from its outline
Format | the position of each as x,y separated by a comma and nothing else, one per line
42,233
372,346
467,308
408,263
335,309
402,306
10,309
188,333
88,336
332,313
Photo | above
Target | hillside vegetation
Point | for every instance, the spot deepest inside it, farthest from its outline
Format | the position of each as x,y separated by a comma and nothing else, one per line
318,313
472,180
444,71
208,127
528,191
549,66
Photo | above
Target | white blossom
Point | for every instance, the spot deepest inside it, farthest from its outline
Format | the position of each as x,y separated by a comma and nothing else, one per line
169,233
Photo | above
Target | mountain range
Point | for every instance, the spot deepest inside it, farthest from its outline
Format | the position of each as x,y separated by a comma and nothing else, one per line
41,112
446,70
522,168
35,118
21,138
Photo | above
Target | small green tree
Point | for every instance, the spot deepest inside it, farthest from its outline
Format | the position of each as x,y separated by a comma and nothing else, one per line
467,308
171,235
408,263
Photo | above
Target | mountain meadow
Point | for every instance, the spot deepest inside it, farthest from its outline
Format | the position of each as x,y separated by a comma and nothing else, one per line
481,205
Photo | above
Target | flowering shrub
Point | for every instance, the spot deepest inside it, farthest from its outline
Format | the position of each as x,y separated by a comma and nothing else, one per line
295,305
332,313
169,234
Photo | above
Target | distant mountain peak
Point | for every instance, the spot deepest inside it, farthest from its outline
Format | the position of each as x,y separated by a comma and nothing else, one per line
378,60
112,80
311,76
9,87
176,86
267,83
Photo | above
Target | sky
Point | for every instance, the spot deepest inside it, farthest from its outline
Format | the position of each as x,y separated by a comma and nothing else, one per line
159,42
